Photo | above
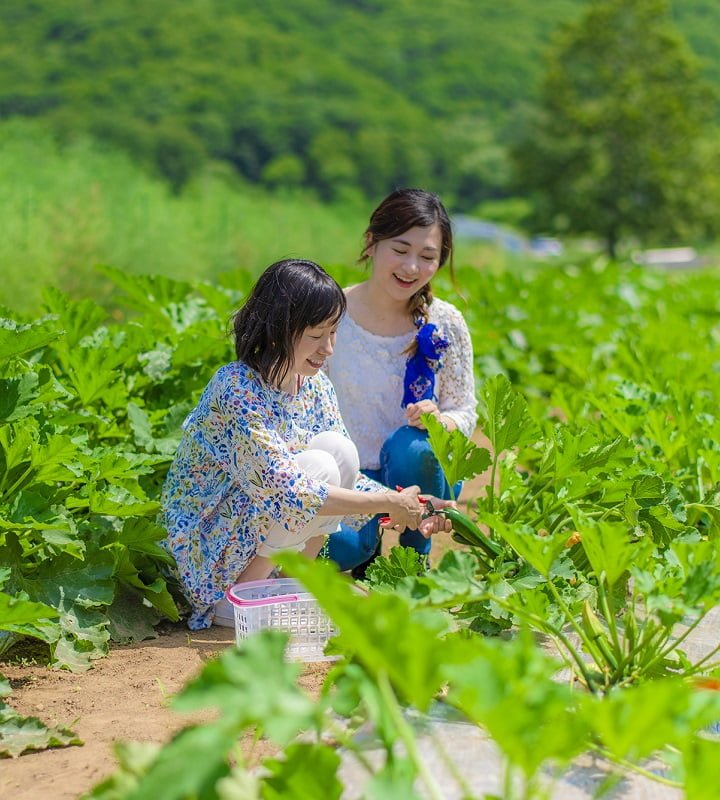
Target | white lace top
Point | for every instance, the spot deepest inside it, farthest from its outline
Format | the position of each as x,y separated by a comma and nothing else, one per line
367,371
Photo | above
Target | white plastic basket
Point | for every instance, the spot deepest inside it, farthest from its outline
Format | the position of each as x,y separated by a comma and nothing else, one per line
282,604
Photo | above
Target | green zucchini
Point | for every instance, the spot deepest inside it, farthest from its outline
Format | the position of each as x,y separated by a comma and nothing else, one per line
467,532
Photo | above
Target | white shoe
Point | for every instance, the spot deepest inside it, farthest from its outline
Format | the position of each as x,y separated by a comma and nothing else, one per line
225,614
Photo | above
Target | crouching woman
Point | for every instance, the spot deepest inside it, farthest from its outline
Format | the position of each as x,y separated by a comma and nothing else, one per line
265,463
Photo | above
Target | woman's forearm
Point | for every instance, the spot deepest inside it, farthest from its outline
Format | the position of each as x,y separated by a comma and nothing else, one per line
349,502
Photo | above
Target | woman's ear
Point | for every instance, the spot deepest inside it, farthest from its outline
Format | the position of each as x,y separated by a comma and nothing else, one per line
369,245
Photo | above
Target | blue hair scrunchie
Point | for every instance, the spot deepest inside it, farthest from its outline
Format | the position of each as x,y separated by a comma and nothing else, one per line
422,365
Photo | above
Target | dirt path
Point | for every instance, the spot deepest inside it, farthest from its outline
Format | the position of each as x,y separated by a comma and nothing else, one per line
123,697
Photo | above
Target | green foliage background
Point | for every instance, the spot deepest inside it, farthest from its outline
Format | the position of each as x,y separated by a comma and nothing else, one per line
344,97
623,143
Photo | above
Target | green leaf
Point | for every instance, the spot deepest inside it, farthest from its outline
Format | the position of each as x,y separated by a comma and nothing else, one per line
610,549
141,535
238,785
648,490
18,615
20,734
459,458
115,501
506,420
189,765
130,619
139,572
637,721
17,339
253,684
79,318
399,563
305,772
76,590
84,637
701,760
368,630
508,688
539,551
16,395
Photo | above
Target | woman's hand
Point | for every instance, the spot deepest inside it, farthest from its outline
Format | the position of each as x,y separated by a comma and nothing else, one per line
437,523
413,412
412,506
404,509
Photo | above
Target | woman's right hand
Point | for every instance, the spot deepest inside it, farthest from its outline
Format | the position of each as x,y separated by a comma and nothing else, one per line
404,510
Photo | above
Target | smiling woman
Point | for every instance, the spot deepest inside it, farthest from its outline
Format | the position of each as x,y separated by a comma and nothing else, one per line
265,463
412,349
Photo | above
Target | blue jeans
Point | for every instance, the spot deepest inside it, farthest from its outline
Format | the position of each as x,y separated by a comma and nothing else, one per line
405,460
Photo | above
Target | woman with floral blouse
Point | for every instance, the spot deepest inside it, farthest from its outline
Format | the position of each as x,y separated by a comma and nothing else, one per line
265,462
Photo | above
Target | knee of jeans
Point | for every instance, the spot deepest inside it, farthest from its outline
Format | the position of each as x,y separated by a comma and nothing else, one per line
344,453
405,441
320,465
408,449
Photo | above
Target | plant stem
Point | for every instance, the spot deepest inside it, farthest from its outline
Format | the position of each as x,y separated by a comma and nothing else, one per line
591,650
507,781
705,658
528,501
545,627
663,653
451,765
491,485
628,765
18,482
609,613
407,735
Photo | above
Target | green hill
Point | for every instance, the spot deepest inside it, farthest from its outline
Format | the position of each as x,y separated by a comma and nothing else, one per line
343,96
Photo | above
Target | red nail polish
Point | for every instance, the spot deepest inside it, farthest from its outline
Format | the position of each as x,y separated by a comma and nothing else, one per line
422,500
398,488
384,520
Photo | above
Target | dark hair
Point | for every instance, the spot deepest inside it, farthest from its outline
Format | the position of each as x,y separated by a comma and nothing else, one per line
290,296
404,209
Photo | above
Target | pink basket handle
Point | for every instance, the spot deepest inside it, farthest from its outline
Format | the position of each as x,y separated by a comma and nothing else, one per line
261,601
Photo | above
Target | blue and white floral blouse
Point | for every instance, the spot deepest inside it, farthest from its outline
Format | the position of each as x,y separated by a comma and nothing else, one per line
235,475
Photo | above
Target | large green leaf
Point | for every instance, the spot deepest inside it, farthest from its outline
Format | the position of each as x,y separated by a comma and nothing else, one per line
459,458
17,339
505,418
610,548
541,552
20,734
16,396
254,685
368,630
27,618
130,619
79,591
305,772
509,689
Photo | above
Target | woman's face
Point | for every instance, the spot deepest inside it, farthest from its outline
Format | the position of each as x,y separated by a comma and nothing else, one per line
403,264
314,345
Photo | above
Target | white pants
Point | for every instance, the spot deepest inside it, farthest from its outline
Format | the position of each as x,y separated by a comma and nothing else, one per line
332,458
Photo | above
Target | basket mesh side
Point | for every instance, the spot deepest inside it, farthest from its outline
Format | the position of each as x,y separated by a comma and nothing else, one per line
308,626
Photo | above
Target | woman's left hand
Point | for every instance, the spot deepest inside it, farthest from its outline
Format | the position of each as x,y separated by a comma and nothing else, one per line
413,412
437,523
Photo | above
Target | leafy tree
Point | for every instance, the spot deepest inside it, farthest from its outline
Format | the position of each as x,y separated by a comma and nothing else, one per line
618,146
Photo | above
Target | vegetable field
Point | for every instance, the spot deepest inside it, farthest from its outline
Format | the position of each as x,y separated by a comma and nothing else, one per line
558,624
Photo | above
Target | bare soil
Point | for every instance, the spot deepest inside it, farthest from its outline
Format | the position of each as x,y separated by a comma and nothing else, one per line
123,698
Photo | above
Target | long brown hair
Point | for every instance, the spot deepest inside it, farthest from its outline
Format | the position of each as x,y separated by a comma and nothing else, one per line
290,296
404,209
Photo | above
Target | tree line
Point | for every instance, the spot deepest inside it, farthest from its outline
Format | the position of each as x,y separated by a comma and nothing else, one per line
355,97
